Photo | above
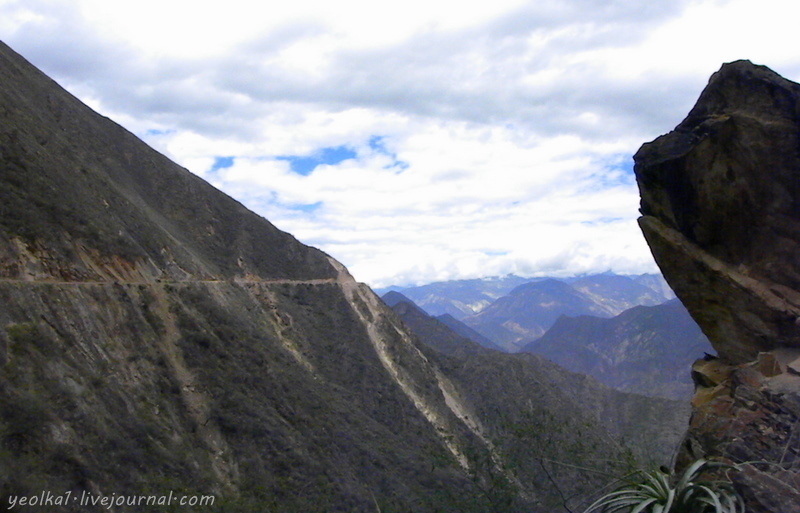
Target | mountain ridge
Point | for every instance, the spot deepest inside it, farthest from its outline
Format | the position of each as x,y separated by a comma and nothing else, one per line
463,298
204,239
521,309
155,332
531,309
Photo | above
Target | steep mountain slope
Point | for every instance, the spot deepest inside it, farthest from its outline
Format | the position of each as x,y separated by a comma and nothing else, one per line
157,336
647,350
465,331
534,435
85,201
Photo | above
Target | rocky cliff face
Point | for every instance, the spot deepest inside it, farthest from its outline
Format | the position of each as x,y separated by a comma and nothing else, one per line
721,212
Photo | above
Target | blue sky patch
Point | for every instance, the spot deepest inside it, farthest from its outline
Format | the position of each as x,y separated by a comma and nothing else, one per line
625,166
221,163
603,221
377,145
330,156
310,207
617,171
157,132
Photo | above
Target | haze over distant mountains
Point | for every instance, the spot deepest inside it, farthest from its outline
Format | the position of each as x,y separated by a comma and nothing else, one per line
512,311
458,298
463,298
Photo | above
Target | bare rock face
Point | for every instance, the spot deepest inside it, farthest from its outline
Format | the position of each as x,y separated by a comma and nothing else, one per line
721,210
721,213
749,414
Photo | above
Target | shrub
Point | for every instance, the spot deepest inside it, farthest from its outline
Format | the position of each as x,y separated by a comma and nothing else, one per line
659,492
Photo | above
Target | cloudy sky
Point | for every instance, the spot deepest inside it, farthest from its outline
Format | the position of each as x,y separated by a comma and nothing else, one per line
414,141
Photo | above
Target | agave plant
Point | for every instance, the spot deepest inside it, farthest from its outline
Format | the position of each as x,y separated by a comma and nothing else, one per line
658,492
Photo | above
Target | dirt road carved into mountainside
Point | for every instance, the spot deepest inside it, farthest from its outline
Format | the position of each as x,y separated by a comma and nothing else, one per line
275,281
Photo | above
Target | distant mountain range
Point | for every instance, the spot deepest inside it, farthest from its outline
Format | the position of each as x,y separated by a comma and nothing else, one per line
529,310
647,349
459,298
619,293
465,298
455,327
616,329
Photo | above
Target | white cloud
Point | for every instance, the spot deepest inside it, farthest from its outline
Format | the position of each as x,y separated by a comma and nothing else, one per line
488,138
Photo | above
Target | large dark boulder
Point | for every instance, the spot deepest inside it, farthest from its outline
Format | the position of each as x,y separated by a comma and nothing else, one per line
721,210
721,213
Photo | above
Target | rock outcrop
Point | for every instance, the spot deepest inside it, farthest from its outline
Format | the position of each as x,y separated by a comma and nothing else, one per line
721,212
